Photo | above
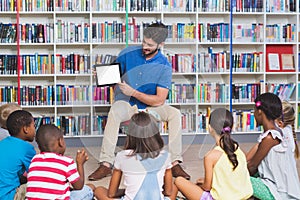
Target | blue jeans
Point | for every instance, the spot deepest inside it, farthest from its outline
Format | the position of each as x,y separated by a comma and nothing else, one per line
86,193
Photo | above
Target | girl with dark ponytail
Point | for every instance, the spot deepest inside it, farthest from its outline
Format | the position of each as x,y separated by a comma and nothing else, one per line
225,166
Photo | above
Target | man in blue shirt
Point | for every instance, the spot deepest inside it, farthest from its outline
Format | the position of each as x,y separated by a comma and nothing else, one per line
146,81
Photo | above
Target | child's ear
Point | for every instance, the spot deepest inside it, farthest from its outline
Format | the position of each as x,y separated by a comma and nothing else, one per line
280,123
61,142
26,129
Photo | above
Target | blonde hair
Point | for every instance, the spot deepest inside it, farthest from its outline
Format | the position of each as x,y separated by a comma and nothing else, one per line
288,118
6,110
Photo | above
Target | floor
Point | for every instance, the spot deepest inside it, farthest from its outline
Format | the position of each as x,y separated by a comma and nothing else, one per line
192,156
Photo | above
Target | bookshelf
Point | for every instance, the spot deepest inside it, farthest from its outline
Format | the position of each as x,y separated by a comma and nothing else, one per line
61,40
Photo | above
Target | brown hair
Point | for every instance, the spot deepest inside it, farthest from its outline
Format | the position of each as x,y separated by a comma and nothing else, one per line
288,118
143,136
157,31
5,111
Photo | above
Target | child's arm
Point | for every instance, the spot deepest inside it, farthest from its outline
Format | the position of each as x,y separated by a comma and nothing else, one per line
81,158
251,152
209,161
168,182
263,149
113,189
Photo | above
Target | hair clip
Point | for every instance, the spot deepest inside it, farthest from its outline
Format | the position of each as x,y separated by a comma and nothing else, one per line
226,129
258,104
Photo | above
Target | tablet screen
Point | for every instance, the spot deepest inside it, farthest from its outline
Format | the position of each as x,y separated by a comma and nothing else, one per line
108,74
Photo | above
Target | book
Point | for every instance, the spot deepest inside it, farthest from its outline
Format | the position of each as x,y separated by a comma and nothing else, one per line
287,61
274,61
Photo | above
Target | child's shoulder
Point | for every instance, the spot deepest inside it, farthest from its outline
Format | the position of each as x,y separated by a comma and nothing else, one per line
54,157
273,133
214,154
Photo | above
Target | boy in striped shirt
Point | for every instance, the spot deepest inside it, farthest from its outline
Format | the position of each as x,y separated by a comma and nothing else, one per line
51,173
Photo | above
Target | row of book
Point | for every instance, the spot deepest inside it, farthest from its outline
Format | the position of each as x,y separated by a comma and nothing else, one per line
27,5
247,5
283,90
219,32
237,5
248,32
247,62
72,94
216,62
210,61
244,121
281,32
103,95
29,95
182,62
74,125
182,93
75,63
114,32
78,125
29,33
209,32
65,95
72,63
179,93
280,6
213,92
150,5
246,92
72,5
45,5
34,64
145,5
104,58
71,32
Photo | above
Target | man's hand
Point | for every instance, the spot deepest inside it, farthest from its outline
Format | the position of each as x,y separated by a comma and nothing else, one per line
126,89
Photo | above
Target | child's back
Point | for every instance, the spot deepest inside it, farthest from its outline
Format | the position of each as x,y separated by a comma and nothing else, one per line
226,183
145,166
16,153
51,173
143,178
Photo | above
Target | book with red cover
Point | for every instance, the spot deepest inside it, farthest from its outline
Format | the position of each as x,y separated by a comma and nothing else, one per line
278,49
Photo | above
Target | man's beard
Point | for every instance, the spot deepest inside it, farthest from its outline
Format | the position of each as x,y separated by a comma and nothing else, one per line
150,53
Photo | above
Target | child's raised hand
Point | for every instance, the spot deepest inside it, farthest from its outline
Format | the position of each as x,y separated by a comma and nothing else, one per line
81,157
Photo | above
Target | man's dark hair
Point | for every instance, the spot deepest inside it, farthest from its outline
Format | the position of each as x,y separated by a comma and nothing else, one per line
17,120
157,31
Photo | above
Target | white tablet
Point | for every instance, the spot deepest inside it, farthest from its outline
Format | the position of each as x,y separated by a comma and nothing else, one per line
108,74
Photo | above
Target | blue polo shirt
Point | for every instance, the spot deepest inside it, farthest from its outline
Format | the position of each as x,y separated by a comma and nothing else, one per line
143,75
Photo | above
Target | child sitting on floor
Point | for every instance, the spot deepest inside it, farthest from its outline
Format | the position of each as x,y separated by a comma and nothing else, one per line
272,160
143,163
16,154
226,174
50,172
